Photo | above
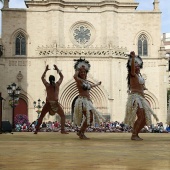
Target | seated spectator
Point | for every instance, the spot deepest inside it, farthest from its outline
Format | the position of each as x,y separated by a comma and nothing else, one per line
18,128
44,125
56,124
168,128
24,128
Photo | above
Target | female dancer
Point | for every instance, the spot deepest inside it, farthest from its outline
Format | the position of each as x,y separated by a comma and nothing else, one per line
84,111
137,105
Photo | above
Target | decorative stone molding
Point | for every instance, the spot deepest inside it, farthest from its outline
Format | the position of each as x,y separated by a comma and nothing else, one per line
81,3
19,76
90,51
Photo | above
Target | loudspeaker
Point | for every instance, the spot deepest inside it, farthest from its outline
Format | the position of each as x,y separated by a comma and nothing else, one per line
6,126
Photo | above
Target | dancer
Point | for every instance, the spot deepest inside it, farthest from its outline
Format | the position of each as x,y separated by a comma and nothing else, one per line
137,105
84,111
52,105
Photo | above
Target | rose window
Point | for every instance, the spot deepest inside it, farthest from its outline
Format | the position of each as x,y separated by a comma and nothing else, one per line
82,34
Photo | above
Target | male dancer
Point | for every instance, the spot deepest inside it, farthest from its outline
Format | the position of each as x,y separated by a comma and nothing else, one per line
52,105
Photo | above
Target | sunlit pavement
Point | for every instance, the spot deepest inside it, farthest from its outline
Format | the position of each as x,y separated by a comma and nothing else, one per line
55,151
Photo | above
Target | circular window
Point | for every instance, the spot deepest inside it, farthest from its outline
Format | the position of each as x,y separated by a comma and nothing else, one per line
82,34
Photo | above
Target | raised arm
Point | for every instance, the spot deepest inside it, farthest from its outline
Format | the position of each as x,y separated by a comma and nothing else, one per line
60,74
76,77
132,54
97,84
43,76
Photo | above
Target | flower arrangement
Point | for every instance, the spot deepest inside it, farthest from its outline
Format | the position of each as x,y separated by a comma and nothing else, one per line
21,119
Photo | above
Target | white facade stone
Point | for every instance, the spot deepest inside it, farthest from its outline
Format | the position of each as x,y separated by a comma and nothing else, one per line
116,26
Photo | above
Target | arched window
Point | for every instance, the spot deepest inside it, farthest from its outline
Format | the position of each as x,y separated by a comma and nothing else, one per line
142,46
20,44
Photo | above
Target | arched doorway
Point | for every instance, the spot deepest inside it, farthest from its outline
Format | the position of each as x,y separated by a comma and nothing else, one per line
70,93
148,102
21,108
72,108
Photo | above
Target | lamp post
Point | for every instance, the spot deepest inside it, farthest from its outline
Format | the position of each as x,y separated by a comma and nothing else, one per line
13,92
39,106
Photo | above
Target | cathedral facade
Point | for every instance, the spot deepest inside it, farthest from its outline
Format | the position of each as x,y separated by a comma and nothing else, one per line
101,31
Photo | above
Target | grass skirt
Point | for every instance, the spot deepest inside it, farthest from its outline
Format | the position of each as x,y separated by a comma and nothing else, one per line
134,102
84,104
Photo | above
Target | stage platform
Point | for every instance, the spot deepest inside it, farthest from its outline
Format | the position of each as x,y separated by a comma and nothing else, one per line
104,151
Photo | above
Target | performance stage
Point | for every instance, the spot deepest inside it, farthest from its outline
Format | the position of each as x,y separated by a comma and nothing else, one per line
104,151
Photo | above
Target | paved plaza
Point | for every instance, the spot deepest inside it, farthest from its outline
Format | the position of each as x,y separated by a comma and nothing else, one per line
104,151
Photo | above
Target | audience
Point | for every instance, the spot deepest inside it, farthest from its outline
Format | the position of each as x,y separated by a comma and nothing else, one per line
107,127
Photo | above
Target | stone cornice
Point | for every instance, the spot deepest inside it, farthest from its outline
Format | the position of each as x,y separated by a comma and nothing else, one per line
63,3
82,52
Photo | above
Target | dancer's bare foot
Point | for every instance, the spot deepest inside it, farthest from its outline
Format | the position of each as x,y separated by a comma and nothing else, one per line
139,137
136,137
64,132
85,137
82,135
78,133
35,132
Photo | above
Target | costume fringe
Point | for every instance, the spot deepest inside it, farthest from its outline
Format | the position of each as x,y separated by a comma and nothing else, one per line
54,108
132,106
84,104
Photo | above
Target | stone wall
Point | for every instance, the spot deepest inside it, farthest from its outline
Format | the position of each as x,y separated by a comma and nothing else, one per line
114,30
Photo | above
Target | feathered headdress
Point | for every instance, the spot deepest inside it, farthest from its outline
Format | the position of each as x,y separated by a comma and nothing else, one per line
82,63
138,61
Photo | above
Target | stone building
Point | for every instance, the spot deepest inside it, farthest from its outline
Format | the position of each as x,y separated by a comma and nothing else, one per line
166,42
101,31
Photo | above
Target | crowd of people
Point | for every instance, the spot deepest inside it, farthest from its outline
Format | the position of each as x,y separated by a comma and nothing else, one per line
108,127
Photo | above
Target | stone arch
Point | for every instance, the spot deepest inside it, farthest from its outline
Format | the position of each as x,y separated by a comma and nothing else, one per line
8,110
72,107
21,108
20,30
154,104
6,103
28,99
152,100
148,36
69,92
